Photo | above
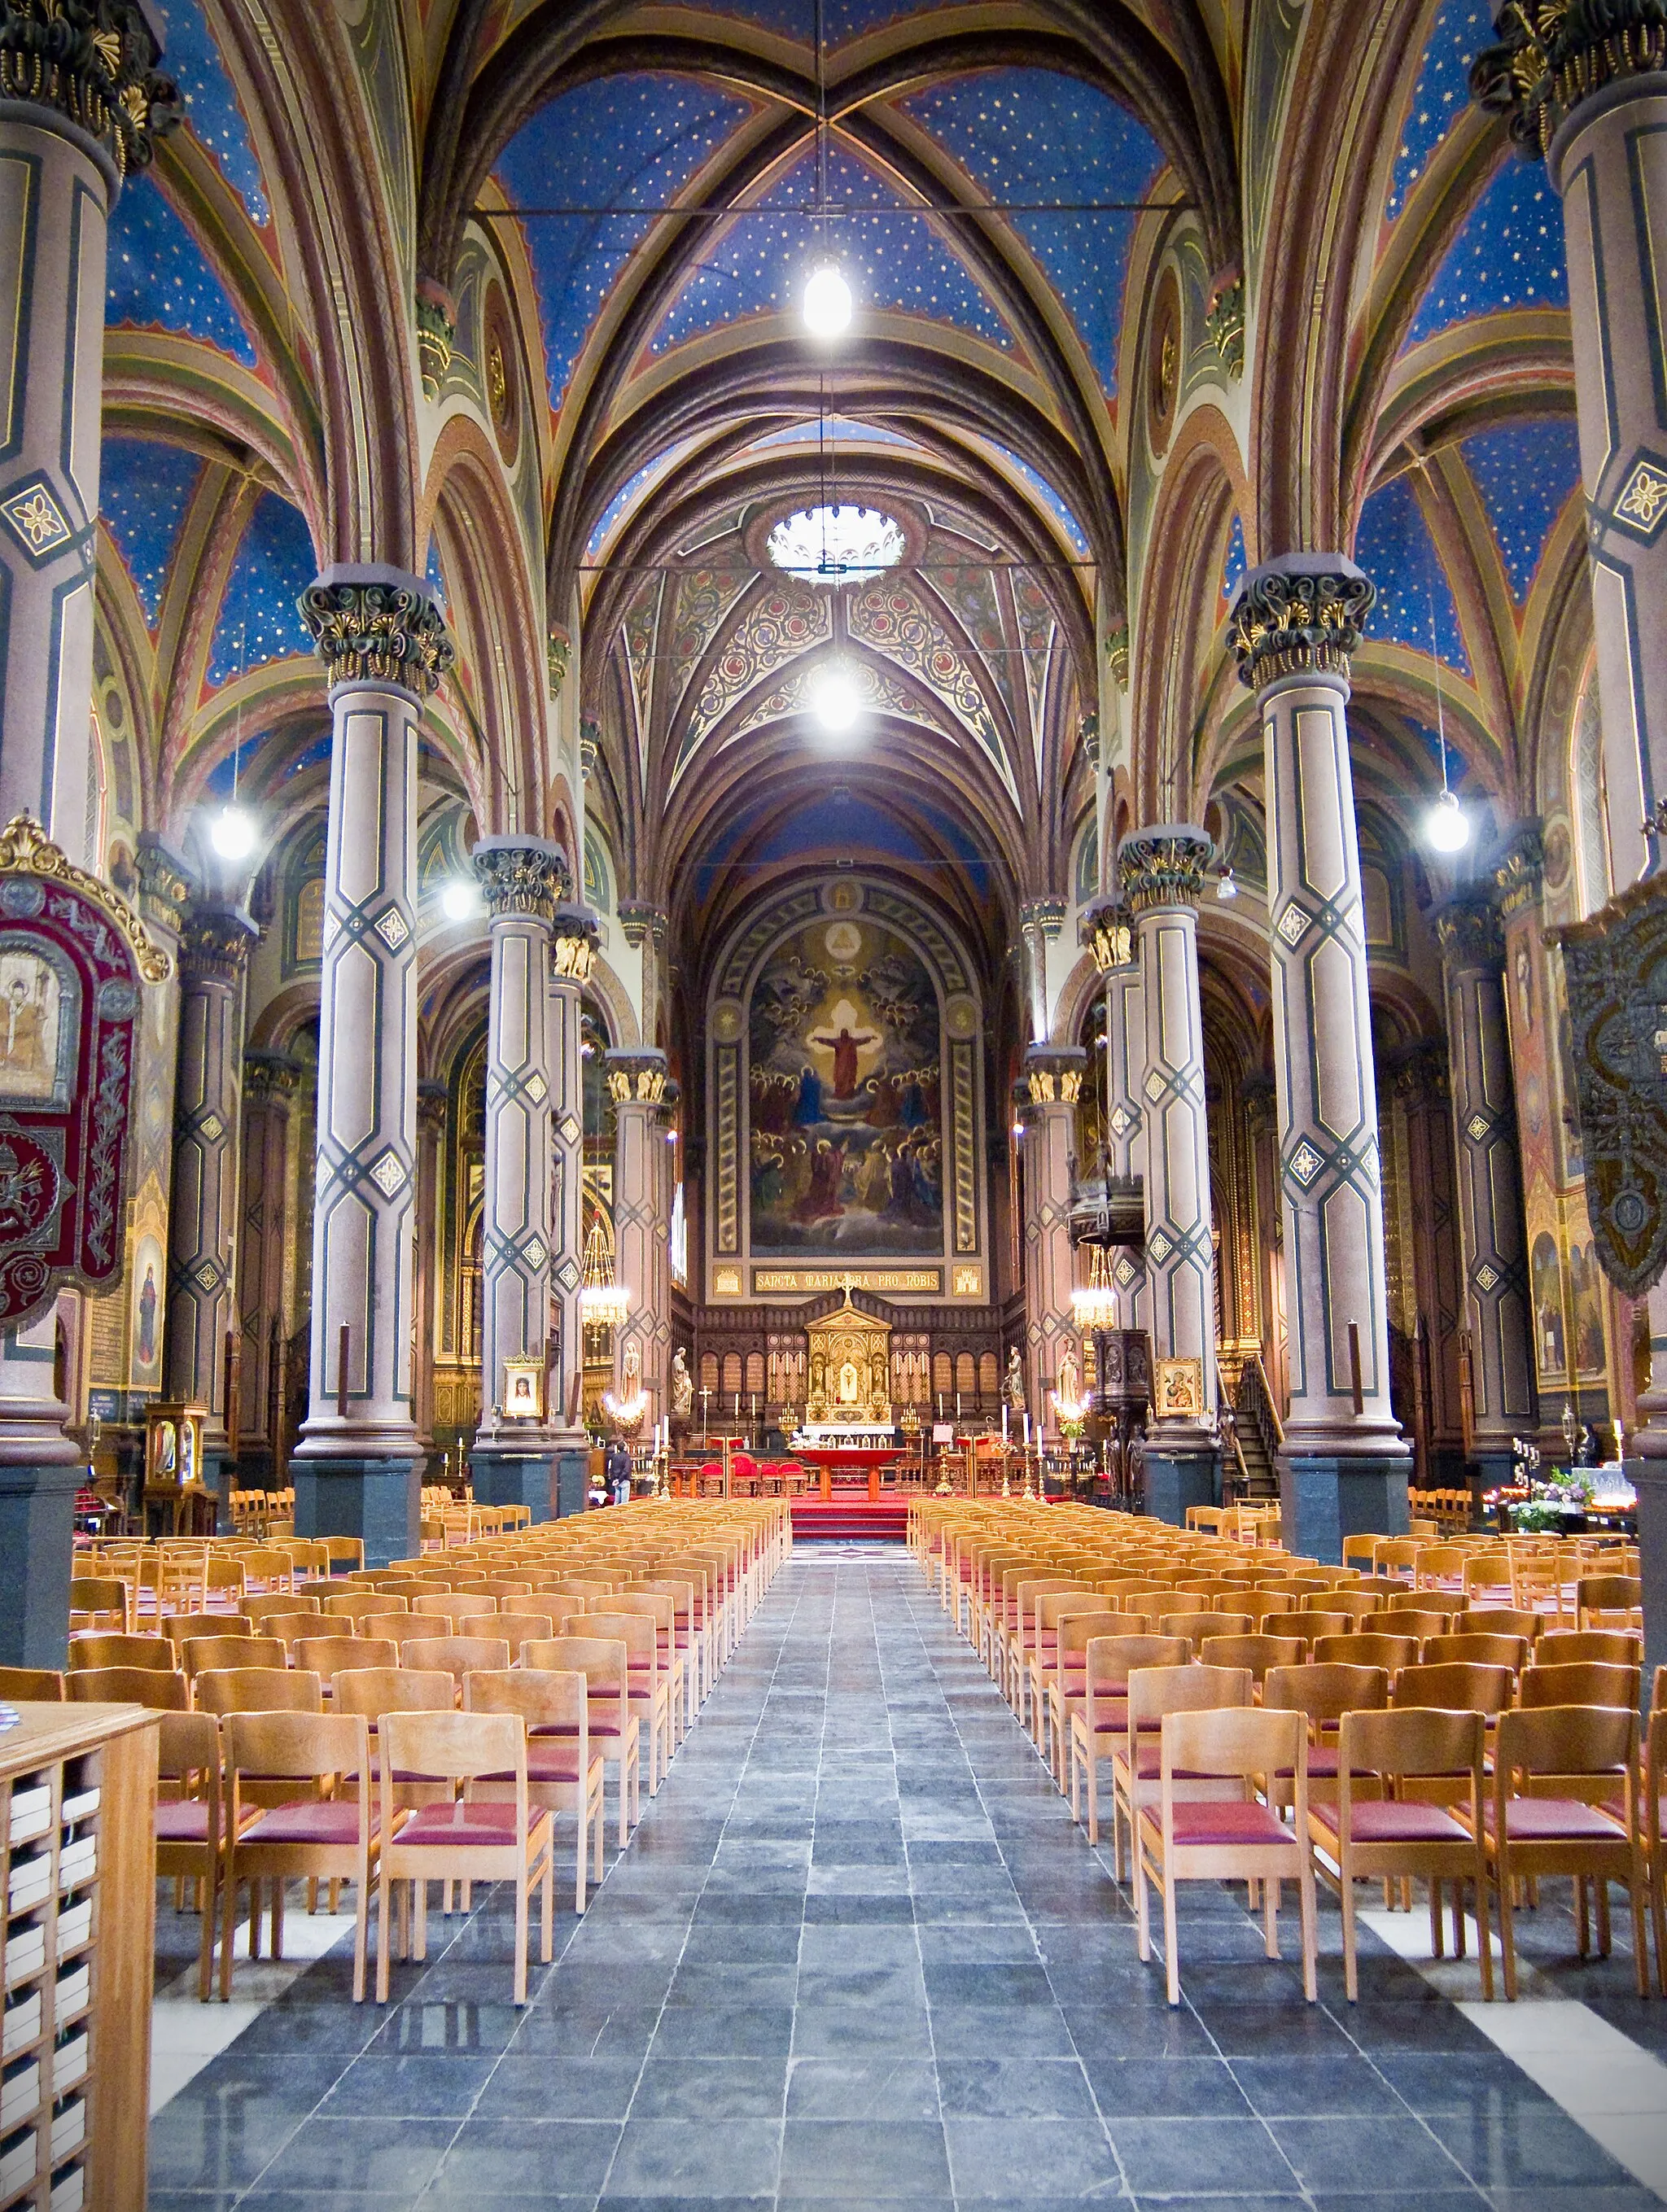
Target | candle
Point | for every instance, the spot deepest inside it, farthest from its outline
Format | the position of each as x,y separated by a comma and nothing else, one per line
1004,1423
958,1405
941,1404
1027,1431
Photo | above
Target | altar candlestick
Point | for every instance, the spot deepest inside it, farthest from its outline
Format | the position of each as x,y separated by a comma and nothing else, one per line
1004,1425
1027,1431
958,1405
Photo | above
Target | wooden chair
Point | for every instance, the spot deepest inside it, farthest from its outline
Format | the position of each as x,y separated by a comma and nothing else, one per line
1360,1605
1153,1693
1398,1832
1542,1582
36,1685
1322,1694
258,1690
344,1551
1655,1802
1419,1621
267,1572
199,1654
1257,1653
189,1824
685,1639
613,1726
1554,1774
1367,1650
327,1656
563,1773
95,1650
1498,1620
129,1686
442,1606
321,1831
456,1656
1603,1647
1314,1626
1196,1832
475,1838
1456,1686
276,1604
1582,1682
1461,1649
1195,1627
1064,1689
353,1604
514,1629
101,1601
1599,1597
662,1611
650,1696
1052,1607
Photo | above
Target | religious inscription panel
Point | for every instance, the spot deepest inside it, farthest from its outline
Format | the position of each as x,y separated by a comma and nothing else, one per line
888,1282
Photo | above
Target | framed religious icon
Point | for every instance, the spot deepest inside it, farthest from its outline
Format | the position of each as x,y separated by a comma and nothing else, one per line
74,957
173,1445
1180,1390
523,1390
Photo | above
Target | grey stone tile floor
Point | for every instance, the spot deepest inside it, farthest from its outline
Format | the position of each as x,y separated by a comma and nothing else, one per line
858,1954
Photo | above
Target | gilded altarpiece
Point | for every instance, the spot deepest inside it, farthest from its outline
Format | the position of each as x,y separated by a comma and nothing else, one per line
845,1101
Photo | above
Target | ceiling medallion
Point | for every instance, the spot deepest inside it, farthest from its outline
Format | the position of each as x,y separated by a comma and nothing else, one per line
837,545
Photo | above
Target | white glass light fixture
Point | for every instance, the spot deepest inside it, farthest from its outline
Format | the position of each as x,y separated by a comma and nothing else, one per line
1225,888
603,1303
1445,828
833,698
233,833
1094,1304
460,900
836,544
827,301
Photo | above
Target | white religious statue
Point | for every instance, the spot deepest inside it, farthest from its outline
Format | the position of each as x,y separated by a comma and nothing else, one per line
1014,1385
682,1386
1065,1391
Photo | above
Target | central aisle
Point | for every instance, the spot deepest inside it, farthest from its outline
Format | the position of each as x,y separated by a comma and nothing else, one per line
857,1953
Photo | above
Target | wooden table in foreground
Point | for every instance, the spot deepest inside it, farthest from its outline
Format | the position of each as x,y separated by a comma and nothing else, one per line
78,1817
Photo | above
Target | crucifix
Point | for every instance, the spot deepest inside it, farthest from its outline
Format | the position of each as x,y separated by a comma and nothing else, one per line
704,1395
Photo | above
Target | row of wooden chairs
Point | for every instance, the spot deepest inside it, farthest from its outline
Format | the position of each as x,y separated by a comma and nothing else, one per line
1039,1627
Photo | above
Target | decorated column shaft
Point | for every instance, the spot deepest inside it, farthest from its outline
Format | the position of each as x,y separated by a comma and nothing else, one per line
431,1102
1163,877
637,1083
1053,1080
207,1142
1585,89
521,878
382,636
1111,930
81,105
572,954
1344,1466
78,113
269,1082
1498,1313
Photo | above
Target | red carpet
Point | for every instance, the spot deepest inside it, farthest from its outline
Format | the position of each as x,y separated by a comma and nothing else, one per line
848,1513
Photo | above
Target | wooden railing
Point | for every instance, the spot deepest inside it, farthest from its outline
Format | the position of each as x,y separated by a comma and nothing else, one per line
1253,1402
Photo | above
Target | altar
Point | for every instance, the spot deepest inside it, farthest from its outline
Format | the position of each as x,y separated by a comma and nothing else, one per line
847,1428
849,1463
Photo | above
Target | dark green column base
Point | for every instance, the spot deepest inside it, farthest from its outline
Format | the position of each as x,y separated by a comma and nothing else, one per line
37,1532
377,1500
572,1478
1176,1481
1326,1497
514,1478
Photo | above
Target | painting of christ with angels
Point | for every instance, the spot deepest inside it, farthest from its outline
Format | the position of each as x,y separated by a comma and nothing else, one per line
846,1130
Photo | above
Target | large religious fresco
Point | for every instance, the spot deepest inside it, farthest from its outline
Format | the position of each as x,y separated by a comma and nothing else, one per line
845,1108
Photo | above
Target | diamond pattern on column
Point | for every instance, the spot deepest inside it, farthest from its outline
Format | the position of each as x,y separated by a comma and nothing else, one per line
393,928
1477,1128
212,1126
567,1275
535,1252
1160,1244
1292,923
570,1130
1122,1120
1486,1276
1305,1164
388,1174
1125,1272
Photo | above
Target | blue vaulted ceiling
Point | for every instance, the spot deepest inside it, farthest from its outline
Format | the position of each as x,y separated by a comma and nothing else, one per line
192,59
144,489
259,621
842,20
1509,254
632,141
159,278
1461,28
1027,136
892,257
1526,473
1393,546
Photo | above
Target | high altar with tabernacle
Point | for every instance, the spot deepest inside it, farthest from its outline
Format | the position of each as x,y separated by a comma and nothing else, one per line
848,1389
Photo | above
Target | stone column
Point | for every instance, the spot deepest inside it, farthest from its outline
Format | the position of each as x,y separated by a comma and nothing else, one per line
1052,1077
1344,1465
1110,929
357,1468
202,1231
522,879
269,1082
1163,878
71,127
1498,1309
1586,89
572,953
431,1099
638,1083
